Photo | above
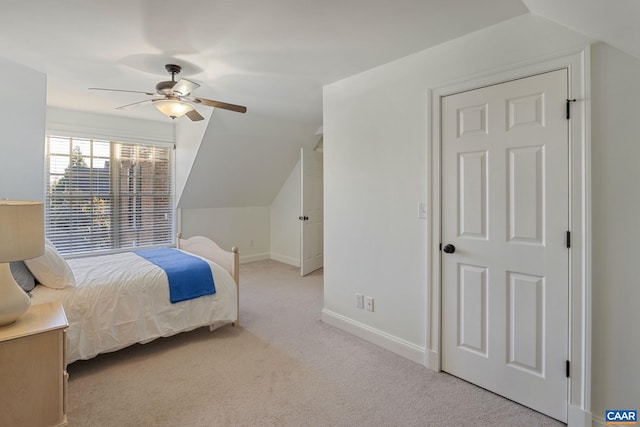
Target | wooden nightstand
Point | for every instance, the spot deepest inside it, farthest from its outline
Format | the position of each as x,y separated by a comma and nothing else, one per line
33,379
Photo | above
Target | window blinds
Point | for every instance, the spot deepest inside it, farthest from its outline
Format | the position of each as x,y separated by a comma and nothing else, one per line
105,196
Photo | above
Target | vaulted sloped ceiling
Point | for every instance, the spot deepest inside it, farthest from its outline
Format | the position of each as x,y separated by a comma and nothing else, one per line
272,56
614,22
244,160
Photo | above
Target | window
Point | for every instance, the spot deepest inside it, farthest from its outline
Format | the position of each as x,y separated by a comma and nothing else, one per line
105,196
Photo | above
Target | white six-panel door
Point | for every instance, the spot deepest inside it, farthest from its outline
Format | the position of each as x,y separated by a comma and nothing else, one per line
505,209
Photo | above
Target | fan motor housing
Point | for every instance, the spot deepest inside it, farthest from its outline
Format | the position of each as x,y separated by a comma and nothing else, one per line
166,87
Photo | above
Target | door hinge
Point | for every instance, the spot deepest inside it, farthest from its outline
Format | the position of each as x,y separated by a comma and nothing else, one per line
440,246
568,369
568,239
569,101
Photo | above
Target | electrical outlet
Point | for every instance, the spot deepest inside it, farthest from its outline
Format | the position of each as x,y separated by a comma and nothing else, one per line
369,303
359,301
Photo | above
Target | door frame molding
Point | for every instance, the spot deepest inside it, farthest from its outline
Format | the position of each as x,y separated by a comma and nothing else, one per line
577,62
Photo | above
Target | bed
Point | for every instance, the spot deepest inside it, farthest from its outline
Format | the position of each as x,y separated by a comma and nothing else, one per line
123,299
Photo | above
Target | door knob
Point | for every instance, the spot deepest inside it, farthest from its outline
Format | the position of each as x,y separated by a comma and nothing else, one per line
449,248
303,218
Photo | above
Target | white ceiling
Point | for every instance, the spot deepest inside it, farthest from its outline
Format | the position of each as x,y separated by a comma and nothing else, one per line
272,56
614,22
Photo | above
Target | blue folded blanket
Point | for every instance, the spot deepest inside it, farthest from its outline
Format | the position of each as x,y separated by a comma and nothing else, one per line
189,277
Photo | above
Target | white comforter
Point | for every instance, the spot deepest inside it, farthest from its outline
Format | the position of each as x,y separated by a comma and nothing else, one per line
123,299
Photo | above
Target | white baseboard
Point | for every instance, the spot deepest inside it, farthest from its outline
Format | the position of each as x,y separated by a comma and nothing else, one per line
269,255
285,259
598,422
384,340
254,257
577,417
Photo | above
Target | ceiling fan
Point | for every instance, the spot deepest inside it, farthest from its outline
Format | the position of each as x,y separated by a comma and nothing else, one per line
174,99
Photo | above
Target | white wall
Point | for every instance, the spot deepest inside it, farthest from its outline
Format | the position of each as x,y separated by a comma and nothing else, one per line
616,229
22,120
267,232
94,125
376,169
285,225
376,172
246,228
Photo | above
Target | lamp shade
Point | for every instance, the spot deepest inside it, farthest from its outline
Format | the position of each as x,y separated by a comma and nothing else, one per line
21,230
172,107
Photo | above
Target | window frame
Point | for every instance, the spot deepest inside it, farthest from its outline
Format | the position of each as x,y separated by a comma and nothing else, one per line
114,177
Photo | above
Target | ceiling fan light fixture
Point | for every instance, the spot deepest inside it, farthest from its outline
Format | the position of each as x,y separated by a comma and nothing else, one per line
172,93
172,107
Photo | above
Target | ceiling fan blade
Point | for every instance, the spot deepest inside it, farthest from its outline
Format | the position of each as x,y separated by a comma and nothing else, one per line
194,116
218,104
184,87
122,107
121,90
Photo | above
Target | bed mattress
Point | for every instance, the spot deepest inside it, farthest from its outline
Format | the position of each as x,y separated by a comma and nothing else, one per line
123,299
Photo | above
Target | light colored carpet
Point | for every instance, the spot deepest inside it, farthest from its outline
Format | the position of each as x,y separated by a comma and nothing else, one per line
281,367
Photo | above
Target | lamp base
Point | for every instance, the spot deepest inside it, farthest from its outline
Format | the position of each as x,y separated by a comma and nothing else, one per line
14,302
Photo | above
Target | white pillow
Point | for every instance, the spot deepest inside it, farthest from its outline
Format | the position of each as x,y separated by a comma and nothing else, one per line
50,269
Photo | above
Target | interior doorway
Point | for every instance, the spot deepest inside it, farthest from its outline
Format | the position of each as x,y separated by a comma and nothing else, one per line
312,212
577,366
505,262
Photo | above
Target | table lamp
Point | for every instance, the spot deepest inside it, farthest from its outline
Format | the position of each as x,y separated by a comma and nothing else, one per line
21,237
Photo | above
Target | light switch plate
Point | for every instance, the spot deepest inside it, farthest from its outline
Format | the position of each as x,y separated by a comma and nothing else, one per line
422,210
